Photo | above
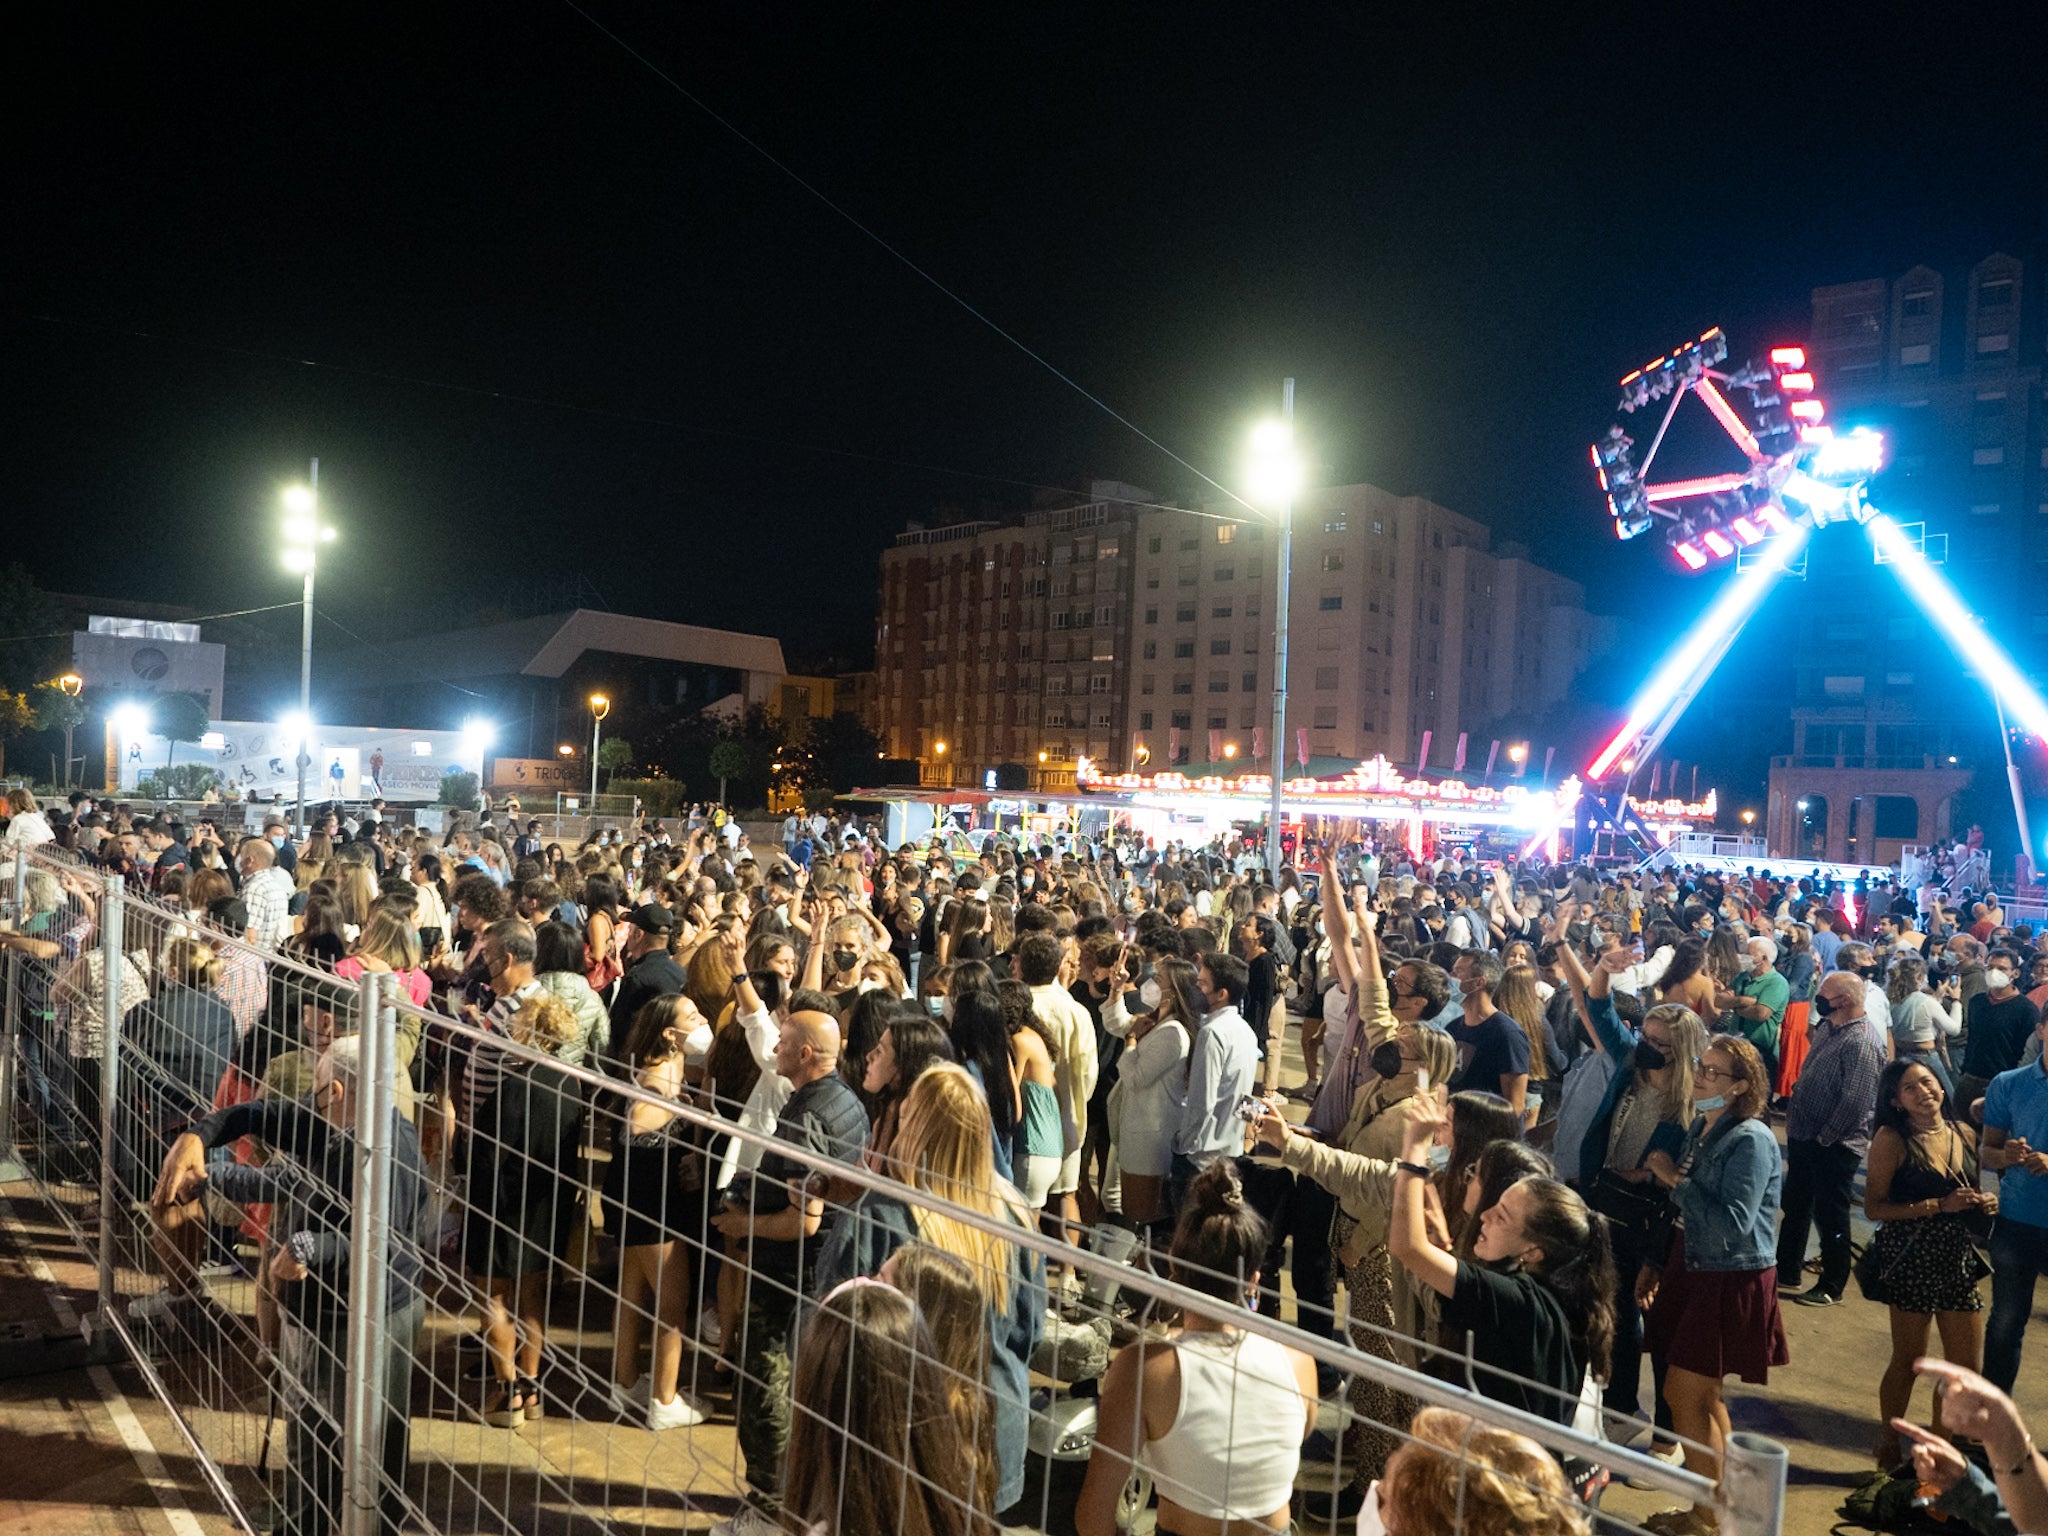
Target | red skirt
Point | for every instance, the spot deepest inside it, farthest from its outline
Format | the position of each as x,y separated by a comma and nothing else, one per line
1718,1322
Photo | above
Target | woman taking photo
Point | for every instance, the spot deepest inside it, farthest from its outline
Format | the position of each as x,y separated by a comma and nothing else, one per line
911,1041
1712,1303
1921,1187
1537,1295
1359,1170
1215,1414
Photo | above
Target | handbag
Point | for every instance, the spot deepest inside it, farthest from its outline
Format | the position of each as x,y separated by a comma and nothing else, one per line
1870,1279
1635,1207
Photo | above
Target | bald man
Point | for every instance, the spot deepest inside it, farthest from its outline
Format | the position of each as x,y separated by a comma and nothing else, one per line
825,1120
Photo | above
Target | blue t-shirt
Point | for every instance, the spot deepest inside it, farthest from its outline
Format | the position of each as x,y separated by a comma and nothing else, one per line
2017,1103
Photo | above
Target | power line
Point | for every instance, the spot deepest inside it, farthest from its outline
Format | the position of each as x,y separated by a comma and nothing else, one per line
1067,379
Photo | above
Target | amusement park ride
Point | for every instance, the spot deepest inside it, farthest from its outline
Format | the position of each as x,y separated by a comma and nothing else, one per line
1802,474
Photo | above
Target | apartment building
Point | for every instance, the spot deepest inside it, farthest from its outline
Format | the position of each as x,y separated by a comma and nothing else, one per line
1140,634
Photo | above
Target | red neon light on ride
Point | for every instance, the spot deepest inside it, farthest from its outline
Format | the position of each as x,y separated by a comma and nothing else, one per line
1808,411
1798,382
1788,357
1705,485
1731,423
1714,540
1745,530
1691,556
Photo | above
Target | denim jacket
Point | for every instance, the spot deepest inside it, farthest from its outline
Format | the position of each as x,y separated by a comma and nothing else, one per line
1729,1196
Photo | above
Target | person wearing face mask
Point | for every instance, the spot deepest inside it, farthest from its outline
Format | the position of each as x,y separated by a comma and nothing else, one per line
1712,1301
1827,1132
1996,1024
1537,1296
1356,1170
1646,1107
1753,1006
1859,959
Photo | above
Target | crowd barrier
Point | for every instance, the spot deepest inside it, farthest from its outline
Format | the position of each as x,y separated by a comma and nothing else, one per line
332,1314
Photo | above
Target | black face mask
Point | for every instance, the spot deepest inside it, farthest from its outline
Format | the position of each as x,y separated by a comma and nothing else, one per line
1648,1058
843,959
1386,1059
1823,1006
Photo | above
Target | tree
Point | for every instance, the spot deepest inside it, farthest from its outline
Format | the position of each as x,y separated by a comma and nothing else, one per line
728,761
613,756
186,781
179,717
461,789
33,646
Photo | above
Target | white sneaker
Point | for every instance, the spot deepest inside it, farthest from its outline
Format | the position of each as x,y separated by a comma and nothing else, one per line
635,1398
682,1412
709,1332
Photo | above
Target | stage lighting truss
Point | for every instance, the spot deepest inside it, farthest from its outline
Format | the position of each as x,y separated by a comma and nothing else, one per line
1802,475
1798,468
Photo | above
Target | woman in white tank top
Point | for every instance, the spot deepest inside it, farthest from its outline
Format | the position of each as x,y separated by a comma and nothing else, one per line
1215,1414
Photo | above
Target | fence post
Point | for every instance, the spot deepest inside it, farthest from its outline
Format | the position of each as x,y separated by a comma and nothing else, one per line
11,1033
1753,1475
113,958
362,1455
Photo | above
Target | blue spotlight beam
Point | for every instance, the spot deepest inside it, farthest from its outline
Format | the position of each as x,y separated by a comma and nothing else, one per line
1686,668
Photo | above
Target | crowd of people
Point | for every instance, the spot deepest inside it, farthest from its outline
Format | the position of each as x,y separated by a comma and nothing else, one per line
1537,1143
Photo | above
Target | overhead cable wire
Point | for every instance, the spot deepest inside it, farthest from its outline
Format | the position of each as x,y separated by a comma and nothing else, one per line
1037,357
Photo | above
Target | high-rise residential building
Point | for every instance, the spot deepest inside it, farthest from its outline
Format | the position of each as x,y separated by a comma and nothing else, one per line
1886,724
1005,643
1137,635
1401,620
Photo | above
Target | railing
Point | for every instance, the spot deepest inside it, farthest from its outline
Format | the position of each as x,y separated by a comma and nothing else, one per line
382,1177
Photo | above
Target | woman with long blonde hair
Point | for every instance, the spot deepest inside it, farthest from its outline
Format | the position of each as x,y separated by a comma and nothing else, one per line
944,1150
358,893
1517,997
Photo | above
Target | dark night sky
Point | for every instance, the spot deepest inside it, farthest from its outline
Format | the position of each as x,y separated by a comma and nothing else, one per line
1455,233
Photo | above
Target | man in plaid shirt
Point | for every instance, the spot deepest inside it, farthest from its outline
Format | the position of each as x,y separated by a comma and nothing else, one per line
266,891
1827,1132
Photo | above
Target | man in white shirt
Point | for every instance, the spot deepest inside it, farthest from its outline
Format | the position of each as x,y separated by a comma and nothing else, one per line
1223,1067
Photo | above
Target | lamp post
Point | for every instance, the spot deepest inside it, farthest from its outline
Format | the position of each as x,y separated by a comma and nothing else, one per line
69,685
1275,478
600,706
303,536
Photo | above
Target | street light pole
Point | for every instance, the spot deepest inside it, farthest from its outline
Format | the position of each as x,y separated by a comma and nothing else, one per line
600,706
1278,765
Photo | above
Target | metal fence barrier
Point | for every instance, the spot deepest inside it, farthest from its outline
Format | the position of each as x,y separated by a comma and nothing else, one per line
395,1269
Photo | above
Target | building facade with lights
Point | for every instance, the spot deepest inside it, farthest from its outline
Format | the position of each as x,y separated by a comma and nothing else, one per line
1886,725
1135,635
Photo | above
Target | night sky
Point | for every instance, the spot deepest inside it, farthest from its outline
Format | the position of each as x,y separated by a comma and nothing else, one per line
1454,232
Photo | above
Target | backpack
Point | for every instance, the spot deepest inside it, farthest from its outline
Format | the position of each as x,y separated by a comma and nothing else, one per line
1885,1501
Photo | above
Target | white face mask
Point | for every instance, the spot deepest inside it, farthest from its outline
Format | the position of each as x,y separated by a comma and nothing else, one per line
1998,981
1369,1521
946,1010
1148,994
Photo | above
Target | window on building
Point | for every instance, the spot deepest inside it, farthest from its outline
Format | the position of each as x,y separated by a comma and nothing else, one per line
1183,685
1190,542
1226,573
1152,582
1326,679
1333,562
1182,720
1917,303
1842,685
1152,545
1189,575
1184,614
1220,611
1145,683
1183,648
1225,532
1108,549
1106,614
1151,615
1330,602
1250,644
1151,649
1987,458
1990,404
1249,682
1994,293
1220,646
1984,509
1918,355
1326,717
1896,816
1218,721
1144,719
1994,343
